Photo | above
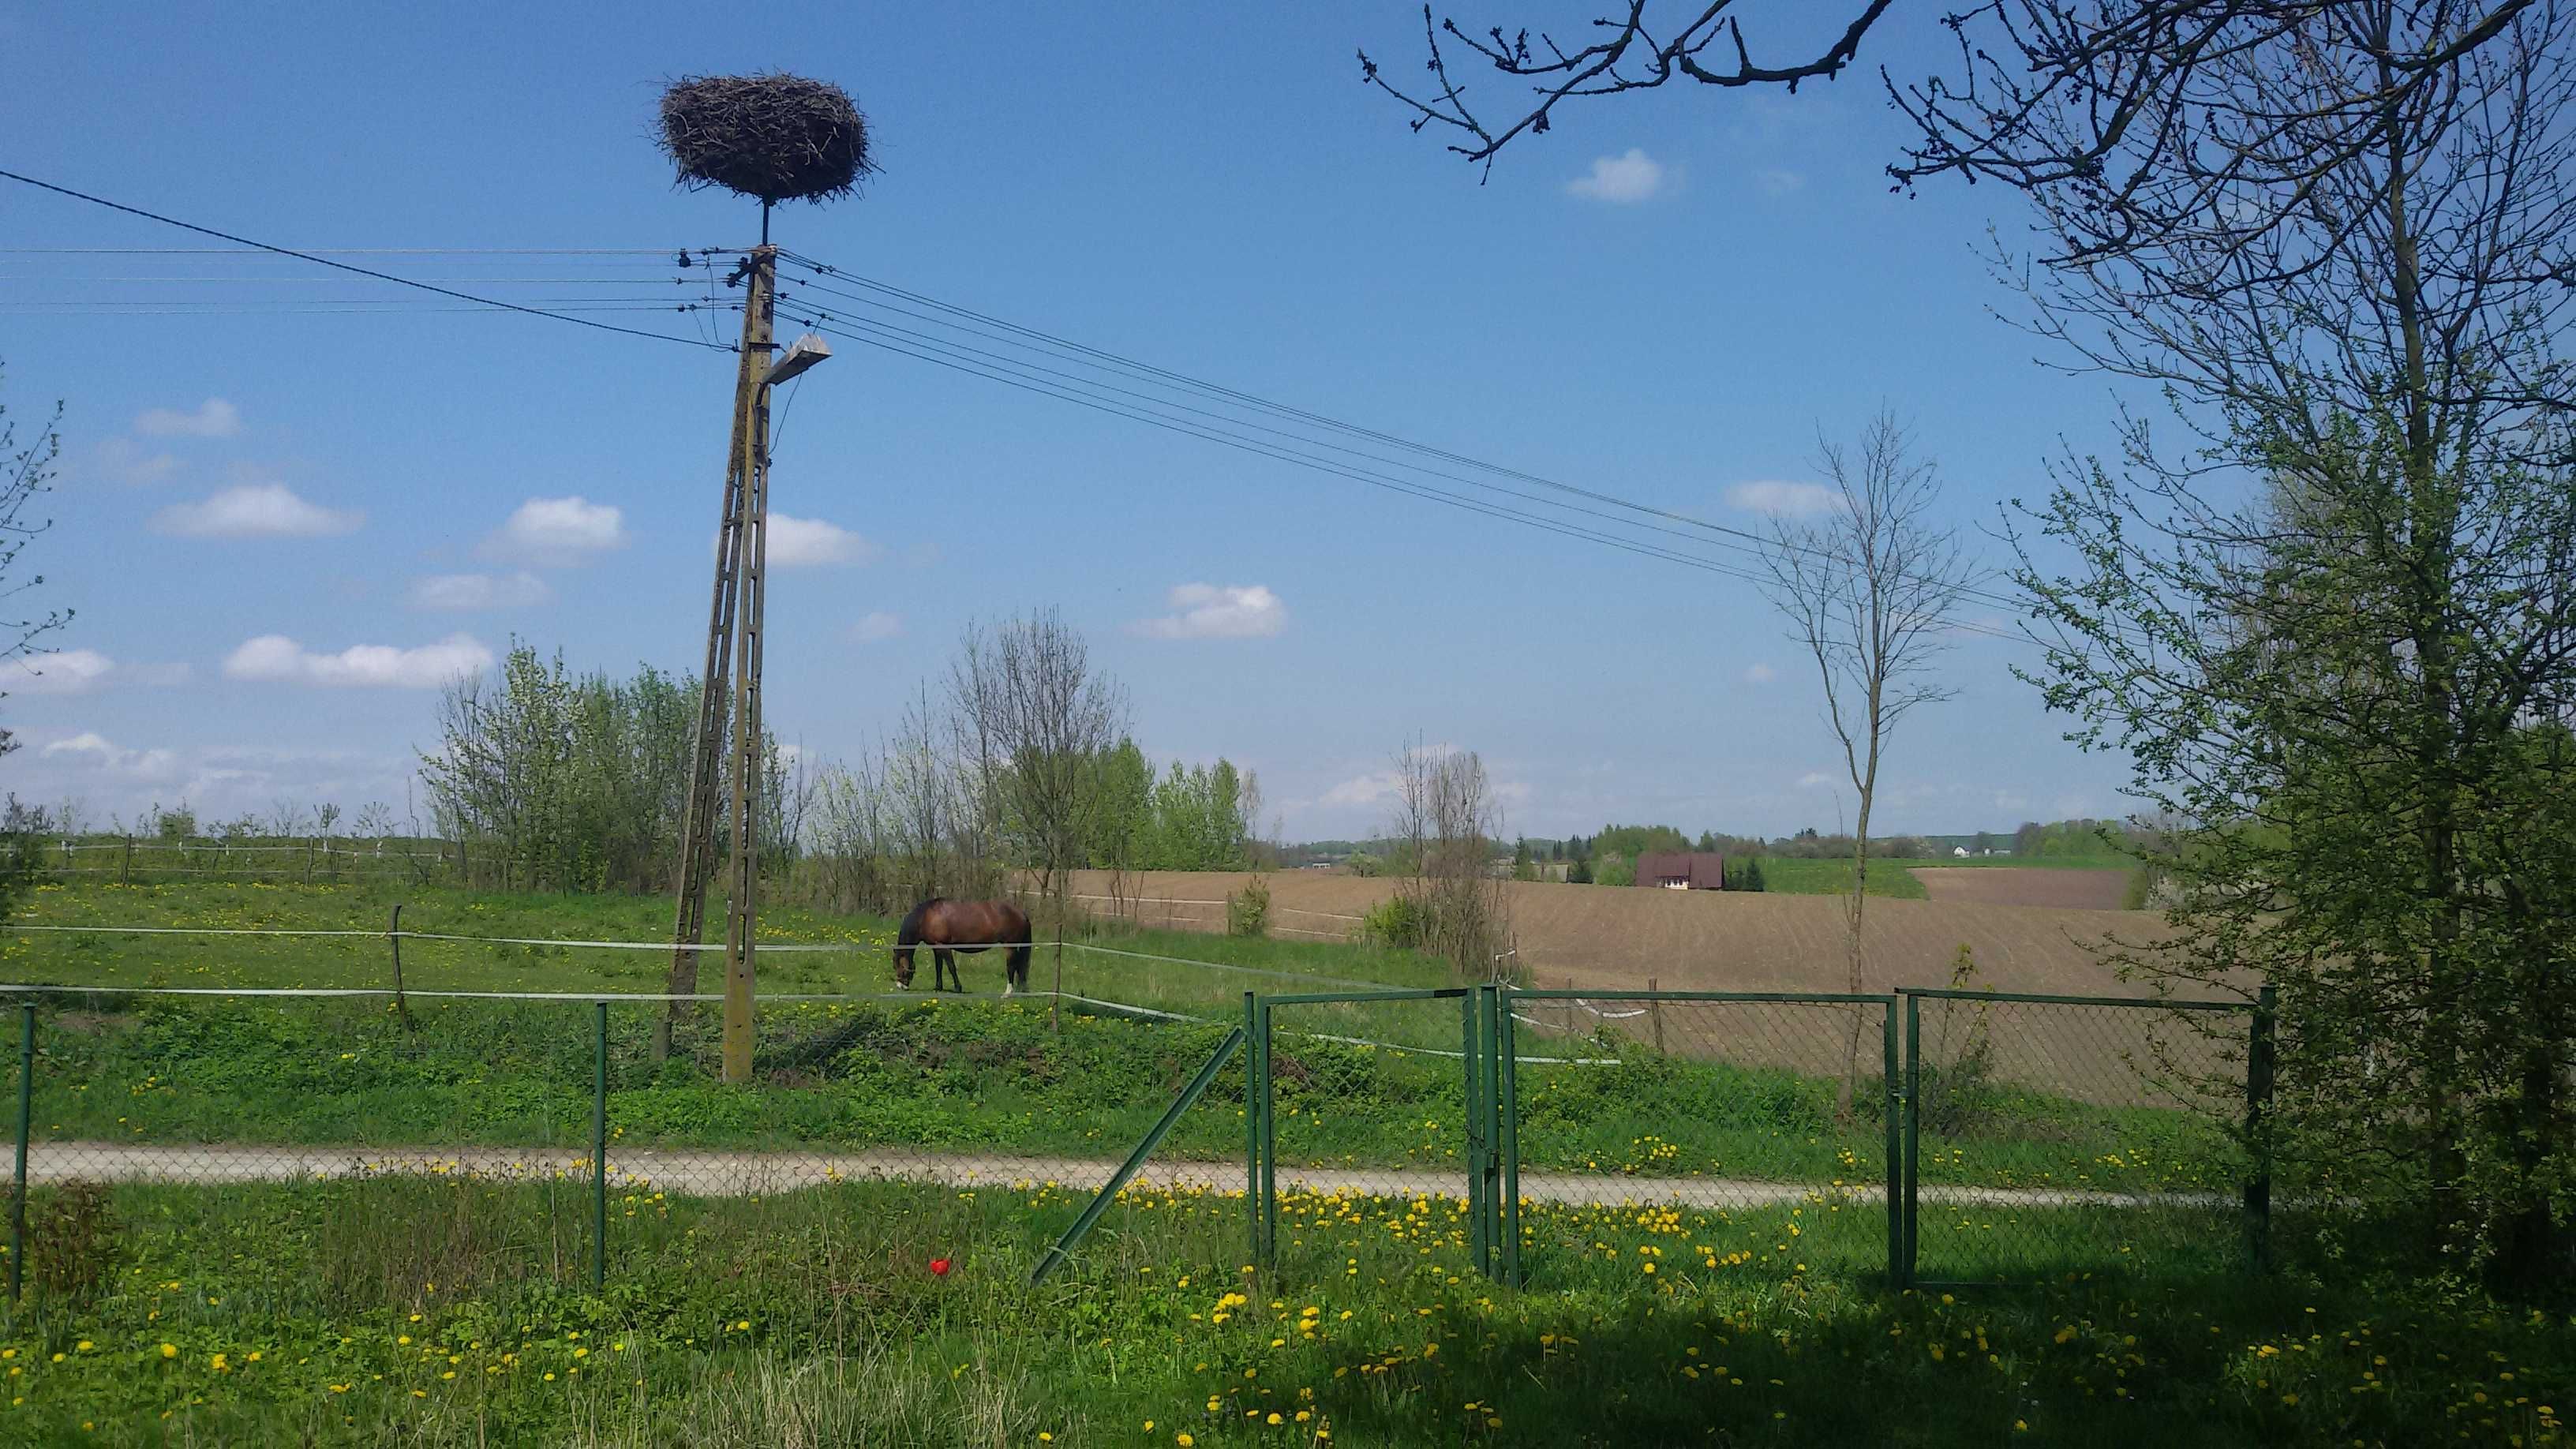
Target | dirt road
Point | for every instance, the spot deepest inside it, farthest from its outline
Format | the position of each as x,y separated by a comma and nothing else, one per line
745,1174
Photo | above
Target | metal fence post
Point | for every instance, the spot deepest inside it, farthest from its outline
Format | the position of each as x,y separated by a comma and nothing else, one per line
599,1148
2259,1050
1469,1033
1252,1068
26,1120
1913,1136
1126,1172
1508,1131
1269,1148
1897,1097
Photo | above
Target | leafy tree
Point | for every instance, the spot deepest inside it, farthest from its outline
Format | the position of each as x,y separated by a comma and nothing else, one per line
2330,624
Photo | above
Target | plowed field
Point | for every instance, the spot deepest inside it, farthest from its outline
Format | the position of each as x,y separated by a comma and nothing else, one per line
1611,937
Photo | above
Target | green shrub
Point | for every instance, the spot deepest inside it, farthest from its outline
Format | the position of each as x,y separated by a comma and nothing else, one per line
1398,923
1247,911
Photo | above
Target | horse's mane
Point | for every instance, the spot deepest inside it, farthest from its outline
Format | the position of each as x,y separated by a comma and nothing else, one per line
910,930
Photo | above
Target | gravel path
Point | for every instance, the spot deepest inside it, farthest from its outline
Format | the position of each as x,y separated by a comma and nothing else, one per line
741,1174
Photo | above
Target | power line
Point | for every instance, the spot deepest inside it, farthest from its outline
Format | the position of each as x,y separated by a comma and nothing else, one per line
1138,399
1254,445
257,249
319,260
1281,452
1067,349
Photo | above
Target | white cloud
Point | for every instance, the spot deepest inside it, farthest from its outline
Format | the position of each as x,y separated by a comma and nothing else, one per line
91,749
1364,789
1760,674
808,542
120,460
213,418
875,625
1784,500
1777,181
1623,180
66,671
257,510
276,658
559,531
462,592
1208,611
1814,779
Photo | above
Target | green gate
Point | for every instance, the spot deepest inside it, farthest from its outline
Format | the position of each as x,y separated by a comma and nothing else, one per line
1425,1052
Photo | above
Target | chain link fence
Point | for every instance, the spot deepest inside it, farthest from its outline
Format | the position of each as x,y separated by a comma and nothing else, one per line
1680,1133
2066,1136
1550,1138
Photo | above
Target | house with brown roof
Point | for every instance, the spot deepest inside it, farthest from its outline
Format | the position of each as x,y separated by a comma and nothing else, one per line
1693,870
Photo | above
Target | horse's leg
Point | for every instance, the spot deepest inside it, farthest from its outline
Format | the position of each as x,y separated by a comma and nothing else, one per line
948,964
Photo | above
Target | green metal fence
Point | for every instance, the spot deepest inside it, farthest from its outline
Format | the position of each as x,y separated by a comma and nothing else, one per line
2013,1138
1552,1136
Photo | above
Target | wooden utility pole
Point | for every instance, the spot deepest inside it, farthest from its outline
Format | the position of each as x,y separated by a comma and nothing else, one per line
733,651
742,895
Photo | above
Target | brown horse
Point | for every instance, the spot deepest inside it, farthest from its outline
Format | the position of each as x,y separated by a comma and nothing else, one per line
947,927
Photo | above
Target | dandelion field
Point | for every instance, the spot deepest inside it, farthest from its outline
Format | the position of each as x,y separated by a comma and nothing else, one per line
427,1313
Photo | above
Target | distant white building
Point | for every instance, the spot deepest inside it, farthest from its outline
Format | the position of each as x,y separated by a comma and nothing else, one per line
1959,851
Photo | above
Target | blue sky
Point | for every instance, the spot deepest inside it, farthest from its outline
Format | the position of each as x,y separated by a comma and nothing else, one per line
281,528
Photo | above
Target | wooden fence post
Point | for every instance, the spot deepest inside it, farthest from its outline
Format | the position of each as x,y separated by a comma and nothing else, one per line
125,873
1655,1008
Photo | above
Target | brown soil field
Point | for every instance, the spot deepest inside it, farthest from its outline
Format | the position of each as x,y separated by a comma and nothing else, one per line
1609,938
1603,938
2009,885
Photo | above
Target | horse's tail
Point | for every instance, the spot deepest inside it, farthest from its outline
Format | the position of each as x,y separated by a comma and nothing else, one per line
1016,931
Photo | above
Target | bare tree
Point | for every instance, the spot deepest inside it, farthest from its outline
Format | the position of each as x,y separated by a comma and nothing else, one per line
25,472
1040,720
1868,589
2128,74
1447,817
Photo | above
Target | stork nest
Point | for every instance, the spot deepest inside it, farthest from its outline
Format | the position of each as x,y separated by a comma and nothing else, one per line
777,137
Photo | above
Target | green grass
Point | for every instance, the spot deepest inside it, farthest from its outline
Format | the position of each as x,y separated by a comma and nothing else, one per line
454,1313
1894,879
947,1075
367,961
1789,875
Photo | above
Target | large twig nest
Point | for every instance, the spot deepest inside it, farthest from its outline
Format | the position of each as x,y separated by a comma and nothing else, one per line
777,137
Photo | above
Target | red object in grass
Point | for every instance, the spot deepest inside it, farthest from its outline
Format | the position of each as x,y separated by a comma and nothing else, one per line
939,1266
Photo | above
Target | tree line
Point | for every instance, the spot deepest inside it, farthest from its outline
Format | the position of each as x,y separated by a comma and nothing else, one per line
1019,759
